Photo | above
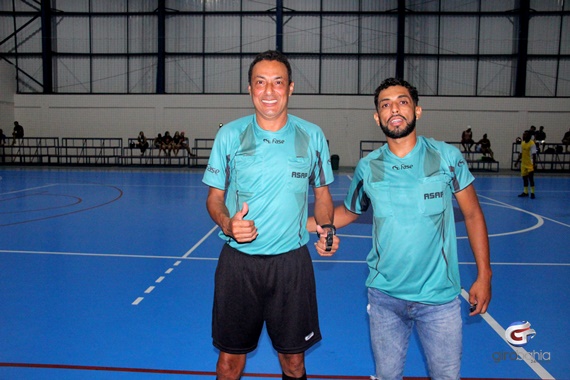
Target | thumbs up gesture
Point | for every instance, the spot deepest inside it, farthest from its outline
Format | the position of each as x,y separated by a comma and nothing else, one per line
243,231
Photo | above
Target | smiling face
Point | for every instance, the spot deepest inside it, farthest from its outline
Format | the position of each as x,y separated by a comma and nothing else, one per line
397,113
270,89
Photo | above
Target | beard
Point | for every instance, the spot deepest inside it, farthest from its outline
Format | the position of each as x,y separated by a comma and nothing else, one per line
399,133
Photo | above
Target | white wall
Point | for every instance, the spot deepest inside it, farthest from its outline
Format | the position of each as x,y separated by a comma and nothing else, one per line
7,90
345,119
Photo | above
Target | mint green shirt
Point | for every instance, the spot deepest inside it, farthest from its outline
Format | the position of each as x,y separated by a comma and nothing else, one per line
414,253
272,172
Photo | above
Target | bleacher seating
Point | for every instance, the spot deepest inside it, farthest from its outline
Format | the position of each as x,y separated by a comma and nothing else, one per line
551,157
477,161
367,146
31,151
202,149
153,156
89,151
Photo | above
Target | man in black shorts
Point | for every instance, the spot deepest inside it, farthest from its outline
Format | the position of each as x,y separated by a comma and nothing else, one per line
259,173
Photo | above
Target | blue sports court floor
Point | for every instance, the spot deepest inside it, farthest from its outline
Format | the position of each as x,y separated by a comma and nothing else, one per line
108,274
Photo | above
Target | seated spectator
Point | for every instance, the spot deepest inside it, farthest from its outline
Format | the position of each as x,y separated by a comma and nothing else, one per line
166,145
566,140
176,143
467,140
184,144
2,138
157,143
142,142
484,146
18,132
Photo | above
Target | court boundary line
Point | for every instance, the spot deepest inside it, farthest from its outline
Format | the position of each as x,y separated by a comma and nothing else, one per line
197,373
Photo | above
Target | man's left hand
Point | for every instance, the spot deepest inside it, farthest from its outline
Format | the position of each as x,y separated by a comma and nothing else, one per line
321,244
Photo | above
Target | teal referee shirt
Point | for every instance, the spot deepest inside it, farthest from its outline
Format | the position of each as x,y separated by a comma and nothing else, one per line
272,172
414,252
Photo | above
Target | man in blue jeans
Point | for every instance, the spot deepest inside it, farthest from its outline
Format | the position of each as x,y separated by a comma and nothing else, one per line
414,272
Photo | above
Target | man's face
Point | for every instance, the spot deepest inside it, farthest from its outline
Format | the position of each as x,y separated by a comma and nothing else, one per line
396,113
270,90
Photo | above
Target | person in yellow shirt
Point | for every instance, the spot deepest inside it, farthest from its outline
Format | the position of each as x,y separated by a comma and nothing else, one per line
527,159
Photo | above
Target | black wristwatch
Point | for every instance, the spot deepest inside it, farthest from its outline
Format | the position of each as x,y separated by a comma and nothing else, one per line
330,233
331,227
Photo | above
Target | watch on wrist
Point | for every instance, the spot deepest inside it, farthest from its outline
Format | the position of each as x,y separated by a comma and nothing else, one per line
329,226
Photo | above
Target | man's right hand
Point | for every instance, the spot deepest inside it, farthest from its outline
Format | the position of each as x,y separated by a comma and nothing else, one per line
243,231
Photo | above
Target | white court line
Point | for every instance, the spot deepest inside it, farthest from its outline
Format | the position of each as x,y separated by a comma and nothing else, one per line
123,255
521,352
30,189
520,209
105,255
178,261
200,242
137,301
149,289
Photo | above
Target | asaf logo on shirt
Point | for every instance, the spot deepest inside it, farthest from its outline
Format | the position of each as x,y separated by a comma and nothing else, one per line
299,175
437,194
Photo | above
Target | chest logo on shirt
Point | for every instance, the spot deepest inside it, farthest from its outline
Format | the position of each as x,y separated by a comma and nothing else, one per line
299,175
274,141
402,167
437,194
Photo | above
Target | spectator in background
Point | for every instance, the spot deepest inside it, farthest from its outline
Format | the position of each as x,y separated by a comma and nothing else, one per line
566,140
467,139
142,142
157,142
166,145
532,132
539,138
527,160
176,143
17,133
2,138
185,145
485,147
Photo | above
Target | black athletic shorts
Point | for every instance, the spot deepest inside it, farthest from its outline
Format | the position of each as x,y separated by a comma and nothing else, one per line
276,289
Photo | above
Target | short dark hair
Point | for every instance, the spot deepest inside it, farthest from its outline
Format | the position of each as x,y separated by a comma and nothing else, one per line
389,82
270,55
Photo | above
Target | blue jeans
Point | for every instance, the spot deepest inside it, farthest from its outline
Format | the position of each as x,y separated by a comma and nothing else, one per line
439,328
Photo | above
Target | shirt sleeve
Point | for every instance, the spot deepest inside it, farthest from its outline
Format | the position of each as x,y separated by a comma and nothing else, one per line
356,200
217,171
460,169
322,168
